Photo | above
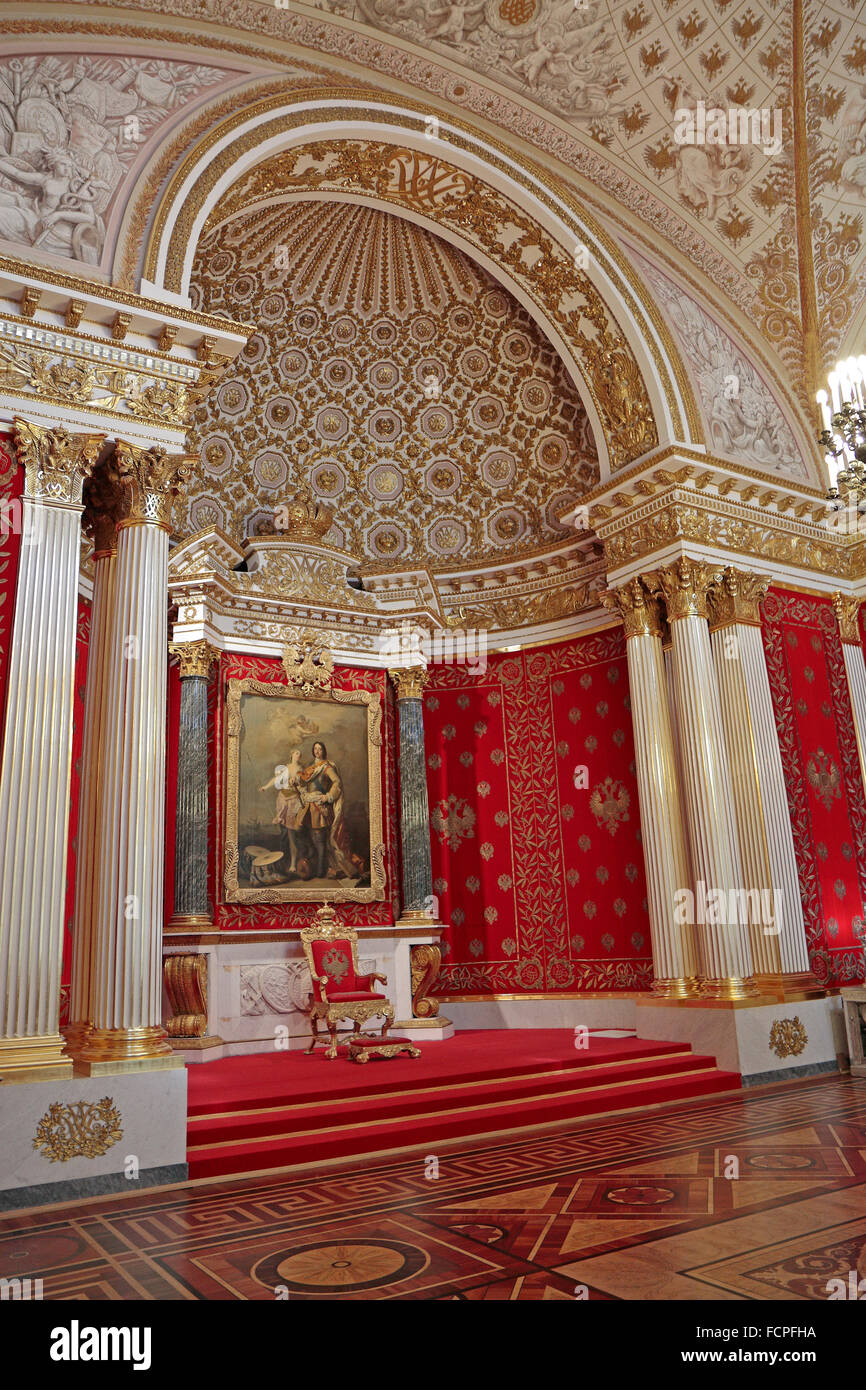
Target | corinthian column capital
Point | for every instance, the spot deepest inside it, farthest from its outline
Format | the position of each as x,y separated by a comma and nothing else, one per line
637,609
151,479
410,681
847,612
55,461
684,586
103,508
737,598
194,658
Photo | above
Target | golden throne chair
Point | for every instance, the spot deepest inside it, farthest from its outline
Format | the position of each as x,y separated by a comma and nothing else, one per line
339,990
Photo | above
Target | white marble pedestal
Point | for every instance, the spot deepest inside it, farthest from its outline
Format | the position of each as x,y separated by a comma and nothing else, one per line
854,1009
762,1039
150,1148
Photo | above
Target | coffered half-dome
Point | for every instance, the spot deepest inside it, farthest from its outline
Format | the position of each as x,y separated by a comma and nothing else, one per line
392,375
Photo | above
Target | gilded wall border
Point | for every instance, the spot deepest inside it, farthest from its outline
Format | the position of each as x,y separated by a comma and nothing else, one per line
234,893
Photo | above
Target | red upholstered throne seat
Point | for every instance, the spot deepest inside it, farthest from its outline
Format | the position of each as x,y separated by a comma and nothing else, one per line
340,991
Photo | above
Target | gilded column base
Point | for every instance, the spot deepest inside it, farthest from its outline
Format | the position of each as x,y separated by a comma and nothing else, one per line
107,1051
190,922
796,985
676,988
76,1035
733,987
40,1058
417,917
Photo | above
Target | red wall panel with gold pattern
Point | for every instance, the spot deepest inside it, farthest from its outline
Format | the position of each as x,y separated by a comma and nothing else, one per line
816,733
538,865
11,487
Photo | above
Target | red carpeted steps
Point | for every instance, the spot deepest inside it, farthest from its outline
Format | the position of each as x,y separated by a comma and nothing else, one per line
280,1109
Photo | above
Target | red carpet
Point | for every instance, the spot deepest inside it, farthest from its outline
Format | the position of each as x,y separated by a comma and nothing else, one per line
277,1109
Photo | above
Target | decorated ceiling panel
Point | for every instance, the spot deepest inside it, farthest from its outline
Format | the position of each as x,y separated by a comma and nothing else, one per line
74,128
743,421
394,376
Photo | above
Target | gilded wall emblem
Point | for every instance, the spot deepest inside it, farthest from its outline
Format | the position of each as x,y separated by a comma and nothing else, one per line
83,1129
824,777
788,1037
609,804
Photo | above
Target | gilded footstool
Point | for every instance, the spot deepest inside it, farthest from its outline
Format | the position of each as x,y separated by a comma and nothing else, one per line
362,1047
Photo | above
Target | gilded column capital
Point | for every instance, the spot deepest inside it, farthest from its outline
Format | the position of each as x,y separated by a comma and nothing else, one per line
410,681
103,508
637,609
847,610
151,480
194,658
737,598
684,585
55,461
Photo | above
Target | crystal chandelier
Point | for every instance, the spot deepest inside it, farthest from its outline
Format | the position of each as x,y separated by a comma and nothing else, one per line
843,437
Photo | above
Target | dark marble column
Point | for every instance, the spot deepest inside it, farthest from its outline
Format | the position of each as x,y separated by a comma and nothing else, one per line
414,813
191,907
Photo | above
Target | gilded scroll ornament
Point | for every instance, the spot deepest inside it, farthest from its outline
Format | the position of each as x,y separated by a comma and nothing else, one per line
737,598
788,1037
82,1129
55,461
186,986
426,961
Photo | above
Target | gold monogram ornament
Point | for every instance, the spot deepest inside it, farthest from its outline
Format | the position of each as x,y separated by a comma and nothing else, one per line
82,1129
788,1037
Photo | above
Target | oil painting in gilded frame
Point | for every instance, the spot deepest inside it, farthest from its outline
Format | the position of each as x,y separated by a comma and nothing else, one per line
303,795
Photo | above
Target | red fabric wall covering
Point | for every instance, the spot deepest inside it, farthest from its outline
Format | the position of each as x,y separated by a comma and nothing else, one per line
11,488
822,775
274,916
542,882
82,646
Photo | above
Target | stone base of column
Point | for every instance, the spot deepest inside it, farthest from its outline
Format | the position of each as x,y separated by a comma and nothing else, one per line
761,1039
109,1051
190,922
34,1059
676,988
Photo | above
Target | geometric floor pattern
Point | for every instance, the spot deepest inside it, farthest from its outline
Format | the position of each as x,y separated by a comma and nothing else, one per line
762,1196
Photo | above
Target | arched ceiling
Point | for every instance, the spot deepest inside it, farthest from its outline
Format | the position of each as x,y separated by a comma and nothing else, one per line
397,378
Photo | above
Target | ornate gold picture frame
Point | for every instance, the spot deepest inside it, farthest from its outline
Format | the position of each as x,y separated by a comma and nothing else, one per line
303,794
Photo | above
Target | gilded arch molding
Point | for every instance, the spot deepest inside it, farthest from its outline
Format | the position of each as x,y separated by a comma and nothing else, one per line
516,217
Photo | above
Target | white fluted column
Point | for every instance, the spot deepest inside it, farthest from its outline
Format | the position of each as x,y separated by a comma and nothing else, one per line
37,749
725,947
101,519
661,817
777,927
127,966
